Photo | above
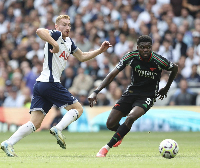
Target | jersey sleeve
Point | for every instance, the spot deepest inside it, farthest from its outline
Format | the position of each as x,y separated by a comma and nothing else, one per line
124,61
73,47
55,34
162,62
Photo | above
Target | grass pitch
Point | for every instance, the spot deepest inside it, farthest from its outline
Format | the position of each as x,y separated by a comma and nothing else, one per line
138,150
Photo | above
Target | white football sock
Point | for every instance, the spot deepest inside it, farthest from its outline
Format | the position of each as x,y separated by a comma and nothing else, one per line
67,119
107,147
23,131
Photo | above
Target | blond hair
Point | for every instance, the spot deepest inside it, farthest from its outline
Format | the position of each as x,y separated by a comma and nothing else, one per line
61,17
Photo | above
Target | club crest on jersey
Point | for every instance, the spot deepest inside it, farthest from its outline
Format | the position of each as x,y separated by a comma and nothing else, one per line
65,55
152,69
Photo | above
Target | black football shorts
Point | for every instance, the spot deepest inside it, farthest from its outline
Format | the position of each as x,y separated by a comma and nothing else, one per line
126,103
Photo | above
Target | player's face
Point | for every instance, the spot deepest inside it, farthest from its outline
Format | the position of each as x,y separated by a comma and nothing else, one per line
64,26
145,49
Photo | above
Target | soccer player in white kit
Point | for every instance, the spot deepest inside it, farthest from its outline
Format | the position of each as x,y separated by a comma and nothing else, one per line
48,89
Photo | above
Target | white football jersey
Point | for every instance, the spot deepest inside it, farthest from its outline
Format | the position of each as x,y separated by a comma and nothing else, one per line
55,63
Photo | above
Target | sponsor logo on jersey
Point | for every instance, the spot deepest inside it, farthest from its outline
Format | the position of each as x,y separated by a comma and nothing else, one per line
146,74
64,55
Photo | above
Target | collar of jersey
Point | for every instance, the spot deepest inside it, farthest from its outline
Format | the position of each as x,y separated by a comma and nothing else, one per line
149,57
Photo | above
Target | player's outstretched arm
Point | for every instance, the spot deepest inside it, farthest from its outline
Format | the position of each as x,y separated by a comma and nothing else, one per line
107,80
85,56
163,92
44,35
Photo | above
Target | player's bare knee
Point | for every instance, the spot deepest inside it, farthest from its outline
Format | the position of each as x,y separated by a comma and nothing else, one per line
111,128
130,120
110,124
80,110
77,106
37,118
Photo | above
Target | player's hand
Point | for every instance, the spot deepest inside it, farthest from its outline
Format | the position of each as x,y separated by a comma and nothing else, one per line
92,99
105,45
55,49
162,93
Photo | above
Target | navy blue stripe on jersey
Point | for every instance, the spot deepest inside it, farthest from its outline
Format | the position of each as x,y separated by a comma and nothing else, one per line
50,57
55,34
73,46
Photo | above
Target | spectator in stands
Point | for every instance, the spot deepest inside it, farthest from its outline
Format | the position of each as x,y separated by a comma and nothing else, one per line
122,46
196,42
186,16
82,81
73,9
94,69
2,95
113,86
14,99
132,20
166,50
163,81
192,5
196,24
82,42
187,38
190,60
104,72
183,96
156,47
176,7
74,64
17,79
116,95
57,118
35,51
181,69
194,78
179,46
100,57
102,99
8,87
30,77
26,92
139,6
82,97
67,78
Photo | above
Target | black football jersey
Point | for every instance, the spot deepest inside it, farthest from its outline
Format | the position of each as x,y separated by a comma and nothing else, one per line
145,76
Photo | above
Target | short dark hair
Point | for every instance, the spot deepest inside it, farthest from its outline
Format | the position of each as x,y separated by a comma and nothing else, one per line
144,38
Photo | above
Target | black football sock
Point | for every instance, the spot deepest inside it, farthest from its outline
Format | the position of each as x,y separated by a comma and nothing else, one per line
121,132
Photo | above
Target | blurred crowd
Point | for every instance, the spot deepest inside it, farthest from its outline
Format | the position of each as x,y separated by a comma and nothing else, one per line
174,26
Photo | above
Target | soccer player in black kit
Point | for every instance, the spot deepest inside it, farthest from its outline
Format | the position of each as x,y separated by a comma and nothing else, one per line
140,95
